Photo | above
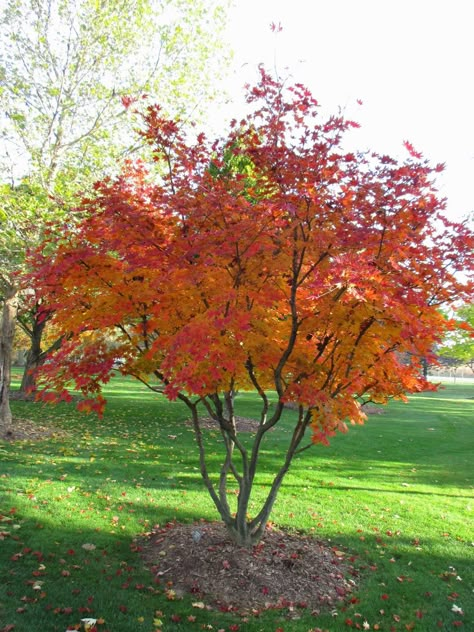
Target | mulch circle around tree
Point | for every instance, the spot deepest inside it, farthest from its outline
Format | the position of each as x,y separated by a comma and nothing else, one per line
27,430
284,571
287,571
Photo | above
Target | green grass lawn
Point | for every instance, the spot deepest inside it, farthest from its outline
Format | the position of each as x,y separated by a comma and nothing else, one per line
396,494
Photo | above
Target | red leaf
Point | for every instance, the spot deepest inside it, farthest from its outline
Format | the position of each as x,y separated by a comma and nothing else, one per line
127,101
411,150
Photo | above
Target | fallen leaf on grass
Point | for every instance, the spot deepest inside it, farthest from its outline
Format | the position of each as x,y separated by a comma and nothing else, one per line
88,547
457,610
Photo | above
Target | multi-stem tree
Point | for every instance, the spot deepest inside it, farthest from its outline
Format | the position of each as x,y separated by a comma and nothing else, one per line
270,260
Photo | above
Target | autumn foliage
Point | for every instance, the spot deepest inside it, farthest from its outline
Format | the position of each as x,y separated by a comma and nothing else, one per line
269,260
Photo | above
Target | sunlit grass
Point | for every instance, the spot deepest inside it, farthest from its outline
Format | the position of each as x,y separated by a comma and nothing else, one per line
397,494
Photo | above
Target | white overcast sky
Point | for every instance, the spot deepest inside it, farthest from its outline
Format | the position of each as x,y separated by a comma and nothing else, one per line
411,62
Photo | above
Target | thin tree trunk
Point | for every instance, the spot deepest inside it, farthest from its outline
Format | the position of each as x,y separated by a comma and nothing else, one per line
424,364
36,355
34,358
244,530
9,312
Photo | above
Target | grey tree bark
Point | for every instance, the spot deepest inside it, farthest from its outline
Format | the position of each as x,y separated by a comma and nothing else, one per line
9,312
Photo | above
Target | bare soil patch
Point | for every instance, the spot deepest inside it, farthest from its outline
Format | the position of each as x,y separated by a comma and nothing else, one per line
284,571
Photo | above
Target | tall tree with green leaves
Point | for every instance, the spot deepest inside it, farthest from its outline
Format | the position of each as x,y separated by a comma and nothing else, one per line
67,69
459,344
66,64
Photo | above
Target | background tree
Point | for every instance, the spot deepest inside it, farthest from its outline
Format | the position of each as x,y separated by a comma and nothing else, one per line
458,348
67,69
270,260
17,211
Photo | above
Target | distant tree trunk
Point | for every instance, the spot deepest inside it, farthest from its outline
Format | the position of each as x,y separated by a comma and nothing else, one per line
35,356
424,364
33,359
9,312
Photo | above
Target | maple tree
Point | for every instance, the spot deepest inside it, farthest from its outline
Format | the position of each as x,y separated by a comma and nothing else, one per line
269,260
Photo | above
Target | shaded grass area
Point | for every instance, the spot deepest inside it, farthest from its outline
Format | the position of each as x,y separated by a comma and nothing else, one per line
396,495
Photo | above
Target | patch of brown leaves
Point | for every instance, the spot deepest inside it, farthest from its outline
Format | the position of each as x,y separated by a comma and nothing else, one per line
243,424
284,570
